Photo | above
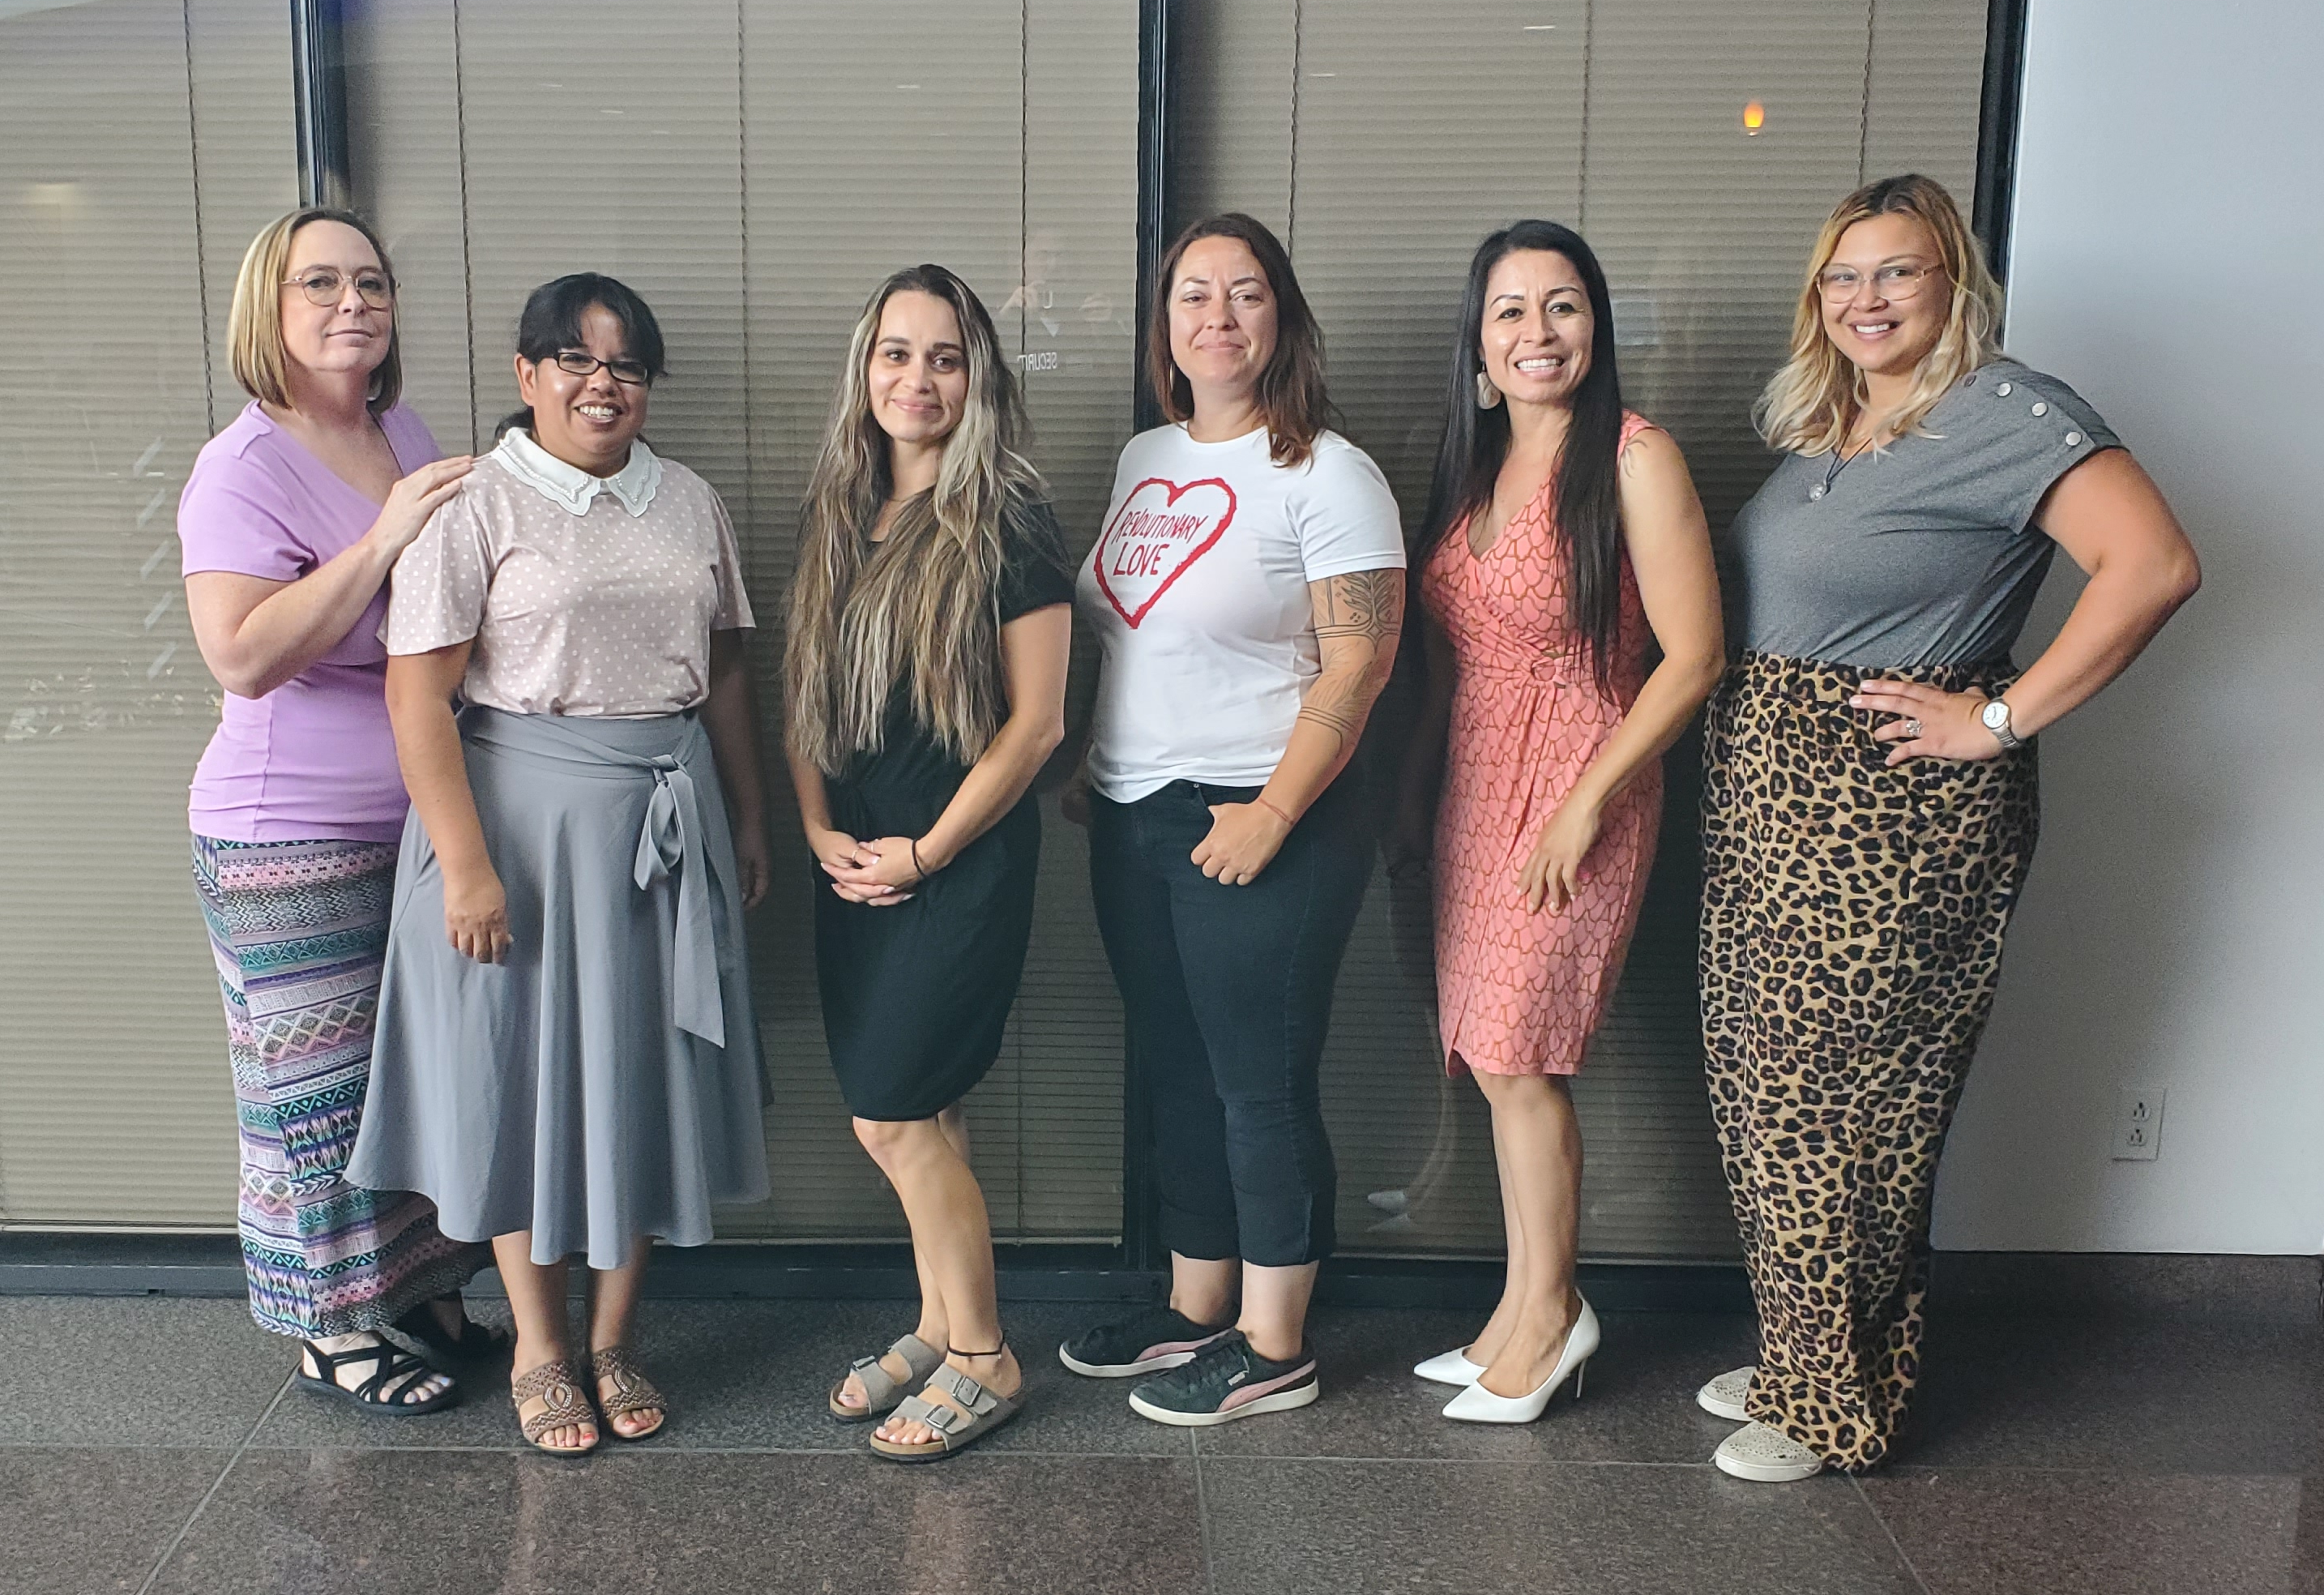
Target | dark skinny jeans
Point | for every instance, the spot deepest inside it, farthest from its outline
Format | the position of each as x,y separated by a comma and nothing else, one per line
1227,992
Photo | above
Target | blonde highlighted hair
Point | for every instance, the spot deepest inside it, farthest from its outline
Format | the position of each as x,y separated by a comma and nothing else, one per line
254,328
919,609
1810,405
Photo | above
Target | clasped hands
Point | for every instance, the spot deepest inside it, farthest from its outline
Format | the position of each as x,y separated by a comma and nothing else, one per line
879,873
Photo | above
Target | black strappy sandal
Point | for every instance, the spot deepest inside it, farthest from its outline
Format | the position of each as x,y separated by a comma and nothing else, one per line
449,1352
391,1364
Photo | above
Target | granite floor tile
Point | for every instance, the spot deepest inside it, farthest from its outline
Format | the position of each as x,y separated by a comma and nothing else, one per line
755,1376
94,1522
474,1523
2164,1394
1283,1528
1637,1402
1981,1531
2308,1539
134,1370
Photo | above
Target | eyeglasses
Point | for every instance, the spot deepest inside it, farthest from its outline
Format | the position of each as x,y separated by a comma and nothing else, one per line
1896,281
325,288
578,363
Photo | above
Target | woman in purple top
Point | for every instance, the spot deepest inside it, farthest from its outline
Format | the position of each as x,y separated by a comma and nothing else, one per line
291,521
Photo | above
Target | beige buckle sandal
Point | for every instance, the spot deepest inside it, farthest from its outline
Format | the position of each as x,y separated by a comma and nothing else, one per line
632,1391
567,1406
956,1429
882,1391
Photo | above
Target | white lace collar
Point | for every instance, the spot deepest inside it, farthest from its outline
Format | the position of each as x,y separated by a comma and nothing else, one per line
571,488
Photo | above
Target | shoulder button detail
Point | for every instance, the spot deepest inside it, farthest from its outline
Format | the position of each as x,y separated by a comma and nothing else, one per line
2073,438
2040,409
2002,391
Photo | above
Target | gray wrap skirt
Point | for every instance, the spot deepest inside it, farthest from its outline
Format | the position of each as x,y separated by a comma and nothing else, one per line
603,1081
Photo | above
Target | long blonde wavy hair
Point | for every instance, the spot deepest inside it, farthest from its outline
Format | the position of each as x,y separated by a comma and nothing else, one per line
920,608
1812,402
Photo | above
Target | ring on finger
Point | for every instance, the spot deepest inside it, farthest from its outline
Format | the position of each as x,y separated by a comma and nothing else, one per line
1913,728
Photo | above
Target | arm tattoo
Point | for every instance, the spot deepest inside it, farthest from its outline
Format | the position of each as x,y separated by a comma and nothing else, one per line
1366,604
1358,618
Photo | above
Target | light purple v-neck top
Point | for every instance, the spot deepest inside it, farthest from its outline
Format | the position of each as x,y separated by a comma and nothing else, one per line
313,759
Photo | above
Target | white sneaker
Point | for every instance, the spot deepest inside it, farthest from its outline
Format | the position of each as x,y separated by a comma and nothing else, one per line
1766,1456
1723,1396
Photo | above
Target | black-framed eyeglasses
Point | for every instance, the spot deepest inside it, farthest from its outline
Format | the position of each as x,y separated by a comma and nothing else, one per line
326,287
581,362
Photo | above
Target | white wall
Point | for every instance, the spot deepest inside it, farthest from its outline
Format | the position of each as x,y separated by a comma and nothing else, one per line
2168,261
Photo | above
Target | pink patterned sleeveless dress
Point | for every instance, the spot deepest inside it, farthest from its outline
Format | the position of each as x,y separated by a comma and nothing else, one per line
1519,993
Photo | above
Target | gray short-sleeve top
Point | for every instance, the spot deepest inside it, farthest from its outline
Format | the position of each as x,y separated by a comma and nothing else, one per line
1923,553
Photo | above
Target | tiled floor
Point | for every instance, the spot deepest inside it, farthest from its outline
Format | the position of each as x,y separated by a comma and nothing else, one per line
156,1445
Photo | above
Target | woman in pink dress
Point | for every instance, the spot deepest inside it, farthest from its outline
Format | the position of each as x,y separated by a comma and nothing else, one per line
1563,532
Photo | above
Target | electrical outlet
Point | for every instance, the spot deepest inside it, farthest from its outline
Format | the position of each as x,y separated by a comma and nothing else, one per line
2138,1122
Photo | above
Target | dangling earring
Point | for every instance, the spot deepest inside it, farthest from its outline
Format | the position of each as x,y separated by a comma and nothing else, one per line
1488,395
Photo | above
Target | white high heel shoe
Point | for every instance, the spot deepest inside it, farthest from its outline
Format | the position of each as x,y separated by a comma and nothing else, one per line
1477,1405
1450,1367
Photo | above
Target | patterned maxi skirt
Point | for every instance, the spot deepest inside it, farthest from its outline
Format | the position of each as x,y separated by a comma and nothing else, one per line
1852,923
297,929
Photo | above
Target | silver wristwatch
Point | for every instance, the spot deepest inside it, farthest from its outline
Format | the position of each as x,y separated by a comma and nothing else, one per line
1996,716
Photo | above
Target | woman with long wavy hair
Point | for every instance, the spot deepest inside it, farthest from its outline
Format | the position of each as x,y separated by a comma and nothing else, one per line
1869,803
926,676
1563,537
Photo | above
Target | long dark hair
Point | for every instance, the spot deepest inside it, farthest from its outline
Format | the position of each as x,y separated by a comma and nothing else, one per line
551,322
1477,441
1291,396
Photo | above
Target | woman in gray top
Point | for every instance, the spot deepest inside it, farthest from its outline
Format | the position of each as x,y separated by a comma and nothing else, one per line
1869,804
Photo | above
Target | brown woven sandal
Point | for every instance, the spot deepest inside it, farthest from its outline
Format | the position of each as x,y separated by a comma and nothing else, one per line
632,1391
567,1406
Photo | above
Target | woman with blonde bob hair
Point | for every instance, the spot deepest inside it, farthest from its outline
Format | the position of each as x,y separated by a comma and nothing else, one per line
291,521
1869,802
926,676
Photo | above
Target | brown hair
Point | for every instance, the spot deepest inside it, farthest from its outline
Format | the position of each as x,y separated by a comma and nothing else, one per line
918,610
1812,402
253,327
1291,396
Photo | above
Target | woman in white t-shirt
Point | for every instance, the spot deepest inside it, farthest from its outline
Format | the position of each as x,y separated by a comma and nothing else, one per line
1248,589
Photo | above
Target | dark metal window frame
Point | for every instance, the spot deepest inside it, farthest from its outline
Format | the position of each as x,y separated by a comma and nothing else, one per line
318,78
1997,129
1138,1269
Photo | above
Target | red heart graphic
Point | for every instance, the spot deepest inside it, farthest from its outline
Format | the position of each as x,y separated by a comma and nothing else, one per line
1142,544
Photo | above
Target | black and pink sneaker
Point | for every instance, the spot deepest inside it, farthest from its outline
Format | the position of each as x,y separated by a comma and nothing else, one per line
1225,1381
1147,1342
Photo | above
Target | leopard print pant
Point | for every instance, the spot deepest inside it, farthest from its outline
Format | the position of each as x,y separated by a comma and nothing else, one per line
1852,921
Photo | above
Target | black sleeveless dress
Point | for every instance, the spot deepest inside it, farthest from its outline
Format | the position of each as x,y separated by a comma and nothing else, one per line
915,996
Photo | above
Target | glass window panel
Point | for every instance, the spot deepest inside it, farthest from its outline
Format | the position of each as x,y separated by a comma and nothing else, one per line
1386,140
142,142
759,171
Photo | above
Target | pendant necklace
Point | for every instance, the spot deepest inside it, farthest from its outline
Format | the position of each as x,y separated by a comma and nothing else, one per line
1839,462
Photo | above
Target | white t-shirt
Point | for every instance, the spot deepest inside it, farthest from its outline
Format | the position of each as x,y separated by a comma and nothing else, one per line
1198,589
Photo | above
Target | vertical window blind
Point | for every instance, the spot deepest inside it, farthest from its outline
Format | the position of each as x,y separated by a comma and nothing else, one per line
1384,141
